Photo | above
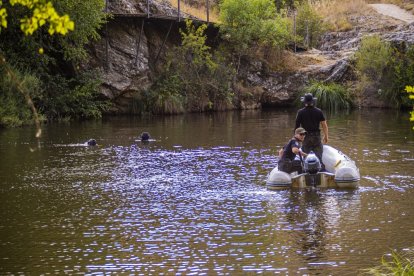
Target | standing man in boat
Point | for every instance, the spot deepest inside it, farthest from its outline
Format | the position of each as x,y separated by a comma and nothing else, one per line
310,118
287,155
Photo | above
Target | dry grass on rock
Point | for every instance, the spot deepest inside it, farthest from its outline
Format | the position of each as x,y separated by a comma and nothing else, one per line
289,62
198,10
336,12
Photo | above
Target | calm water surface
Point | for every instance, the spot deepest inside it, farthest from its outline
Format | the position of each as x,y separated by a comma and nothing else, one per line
194,201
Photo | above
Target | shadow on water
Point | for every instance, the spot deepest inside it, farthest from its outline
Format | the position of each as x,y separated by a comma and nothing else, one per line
308,212
312,225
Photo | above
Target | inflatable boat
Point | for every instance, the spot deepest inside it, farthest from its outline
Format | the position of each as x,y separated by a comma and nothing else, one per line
340,172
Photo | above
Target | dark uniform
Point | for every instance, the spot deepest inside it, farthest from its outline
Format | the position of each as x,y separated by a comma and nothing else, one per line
310,118
287,162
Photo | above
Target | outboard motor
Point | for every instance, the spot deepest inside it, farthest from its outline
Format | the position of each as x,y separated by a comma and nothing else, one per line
312,164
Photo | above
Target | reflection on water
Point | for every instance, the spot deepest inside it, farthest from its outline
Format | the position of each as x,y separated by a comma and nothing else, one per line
194,200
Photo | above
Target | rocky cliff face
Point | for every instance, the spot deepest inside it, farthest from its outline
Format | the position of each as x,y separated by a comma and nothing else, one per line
131,48
332,61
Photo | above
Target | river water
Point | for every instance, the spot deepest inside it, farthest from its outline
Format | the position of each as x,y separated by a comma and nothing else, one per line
194,200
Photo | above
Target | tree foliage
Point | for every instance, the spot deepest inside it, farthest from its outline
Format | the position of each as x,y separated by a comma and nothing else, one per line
42,12
288,4
388,67
28,40
309,25
194,46
194,78
248,23
399,74
373,57
13,105
410,91
89,18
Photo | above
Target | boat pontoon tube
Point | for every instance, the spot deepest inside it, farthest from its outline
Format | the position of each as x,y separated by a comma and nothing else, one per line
278,179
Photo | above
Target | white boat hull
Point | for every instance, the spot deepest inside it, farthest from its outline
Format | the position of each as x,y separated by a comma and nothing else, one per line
341,172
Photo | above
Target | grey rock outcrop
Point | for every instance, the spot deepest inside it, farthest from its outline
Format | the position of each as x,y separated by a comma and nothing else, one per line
131,48
338,49
129,57
125,66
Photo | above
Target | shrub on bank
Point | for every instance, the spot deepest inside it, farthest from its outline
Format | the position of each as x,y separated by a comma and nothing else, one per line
248,24
387,67
396,264
400,73
194,79
54,96
373,57
330,96
310,25
64,98
52,80
165,96
13,106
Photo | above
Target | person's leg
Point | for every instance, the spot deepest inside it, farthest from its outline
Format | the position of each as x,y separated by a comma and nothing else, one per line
297,166
306,145
311,143
314,143
318,150
285,165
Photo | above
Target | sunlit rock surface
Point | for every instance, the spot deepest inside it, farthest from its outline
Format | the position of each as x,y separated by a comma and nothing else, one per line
130,58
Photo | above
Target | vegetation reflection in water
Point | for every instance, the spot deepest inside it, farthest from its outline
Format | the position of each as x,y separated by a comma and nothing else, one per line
175,207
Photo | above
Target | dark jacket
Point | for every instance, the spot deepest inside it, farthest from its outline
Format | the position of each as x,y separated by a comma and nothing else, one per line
287,149
309,118
287,162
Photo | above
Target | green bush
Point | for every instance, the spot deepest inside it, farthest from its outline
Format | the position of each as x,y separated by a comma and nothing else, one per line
373,57
287,4
249,23
14,110
309,25
165,97
389,68
51,77
330,96
72,98
400,73
194,79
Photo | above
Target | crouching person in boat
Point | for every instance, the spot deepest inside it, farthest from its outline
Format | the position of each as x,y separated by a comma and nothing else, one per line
287,155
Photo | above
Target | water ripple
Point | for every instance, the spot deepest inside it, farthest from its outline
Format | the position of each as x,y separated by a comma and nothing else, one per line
185,207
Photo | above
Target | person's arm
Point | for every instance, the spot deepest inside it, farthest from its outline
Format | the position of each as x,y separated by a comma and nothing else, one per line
325,132
297,122
281,153
304,154
297,151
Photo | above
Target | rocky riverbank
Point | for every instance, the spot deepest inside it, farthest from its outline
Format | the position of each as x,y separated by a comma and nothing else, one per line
131,50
